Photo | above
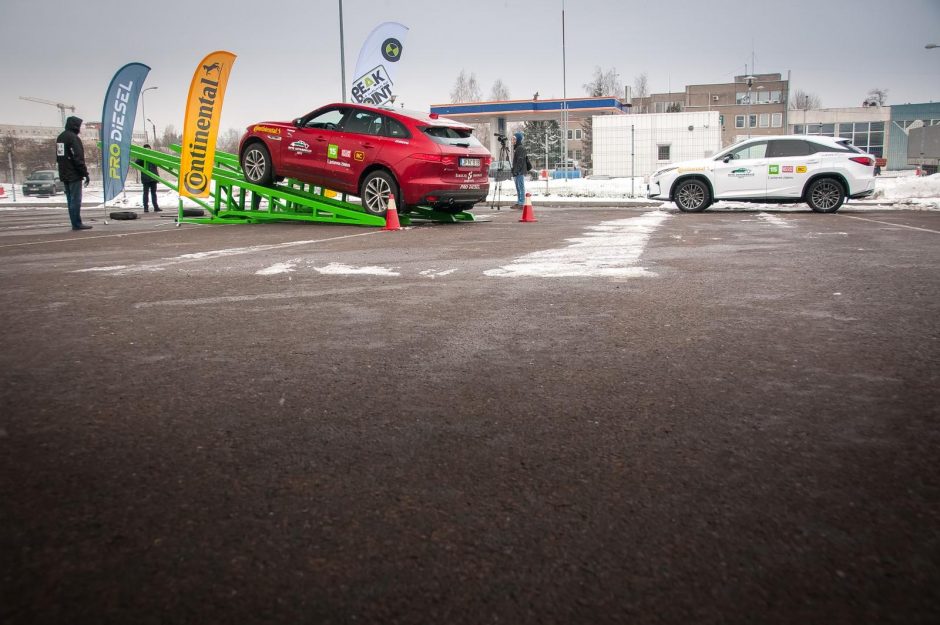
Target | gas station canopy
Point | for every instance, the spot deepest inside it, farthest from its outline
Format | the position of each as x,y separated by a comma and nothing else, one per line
531,110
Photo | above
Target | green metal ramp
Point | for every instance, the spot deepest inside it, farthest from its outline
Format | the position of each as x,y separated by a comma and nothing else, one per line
235,200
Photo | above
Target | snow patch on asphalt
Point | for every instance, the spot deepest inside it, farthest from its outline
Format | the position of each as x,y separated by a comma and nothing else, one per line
277,268
435,273
609,249
773,219
339,269
111,268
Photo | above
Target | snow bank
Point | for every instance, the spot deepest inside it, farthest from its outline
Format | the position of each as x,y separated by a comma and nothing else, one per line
908,188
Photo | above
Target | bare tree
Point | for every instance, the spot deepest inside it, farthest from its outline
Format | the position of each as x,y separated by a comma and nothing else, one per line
466,89
170,137
499,91
804,101
228,141
876,97
641,87
603,83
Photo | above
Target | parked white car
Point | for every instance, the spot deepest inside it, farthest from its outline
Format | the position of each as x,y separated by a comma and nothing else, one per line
821,171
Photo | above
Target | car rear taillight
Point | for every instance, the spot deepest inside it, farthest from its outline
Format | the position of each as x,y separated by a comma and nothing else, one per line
863,160
436,158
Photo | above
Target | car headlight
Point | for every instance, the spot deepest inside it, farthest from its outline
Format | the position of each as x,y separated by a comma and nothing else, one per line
664,171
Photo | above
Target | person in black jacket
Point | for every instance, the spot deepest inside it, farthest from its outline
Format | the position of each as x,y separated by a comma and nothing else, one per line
150,183
70,157
519,168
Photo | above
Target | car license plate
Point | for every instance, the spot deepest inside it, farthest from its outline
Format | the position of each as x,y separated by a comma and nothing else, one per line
469,162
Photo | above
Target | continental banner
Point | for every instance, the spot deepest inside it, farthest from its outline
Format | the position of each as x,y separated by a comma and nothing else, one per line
378,63
201,126
117,125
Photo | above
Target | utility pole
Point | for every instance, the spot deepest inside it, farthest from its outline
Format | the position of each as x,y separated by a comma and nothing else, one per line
342,51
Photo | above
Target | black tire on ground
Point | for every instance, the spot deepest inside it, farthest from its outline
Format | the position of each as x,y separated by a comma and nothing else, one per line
825,195
123,215
375,191
193,212
692,196
257,165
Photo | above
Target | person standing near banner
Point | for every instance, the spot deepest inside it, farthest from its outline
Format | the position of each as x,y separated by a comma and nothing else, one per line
519,168
70,157
149,179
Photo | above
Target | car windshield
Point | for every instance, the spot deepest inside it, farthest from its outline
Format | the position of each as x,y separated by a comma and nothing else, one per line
41,175
448,135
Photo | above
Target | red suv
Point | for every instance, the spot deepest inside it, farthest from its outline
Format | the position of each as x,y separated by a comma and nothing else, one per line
420,158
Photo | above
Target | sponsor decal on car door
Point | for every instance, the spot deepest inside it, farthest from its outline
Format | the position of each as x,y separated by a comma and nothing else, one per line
745,175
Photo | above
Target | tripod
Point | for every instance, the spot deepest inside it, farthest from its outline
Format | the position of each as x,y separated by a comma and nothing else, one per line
501,169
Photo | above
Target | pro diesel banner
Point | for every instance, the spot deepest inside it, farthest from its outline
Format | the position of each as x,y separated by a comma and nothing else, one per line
117,125
201,126
378,64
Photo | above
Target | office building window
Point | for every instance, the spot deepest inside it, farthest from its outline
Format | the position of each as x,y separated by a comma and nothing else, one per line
739,121
577,134
663,152
776,120
764,120
752,121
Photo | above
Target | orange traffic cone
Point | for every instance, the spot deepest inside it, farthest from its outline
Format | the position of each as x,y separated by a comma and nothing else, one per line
527,214
391,215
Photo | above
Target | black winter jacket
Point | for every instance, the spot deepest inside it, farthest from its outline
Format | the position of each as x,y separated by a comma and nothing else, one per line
518,160
70,153
145,176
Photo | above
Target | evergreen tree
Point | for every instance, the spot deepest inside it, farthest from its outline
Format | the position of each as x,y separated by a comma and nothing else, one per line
534,136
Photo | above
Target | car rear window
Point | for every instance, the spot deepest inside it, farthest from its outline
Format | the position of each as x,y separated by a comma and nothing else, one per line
448,135
843,146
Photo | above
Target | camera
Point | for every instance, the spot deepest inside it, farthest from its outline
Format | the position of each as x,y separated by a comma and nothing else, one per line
500,137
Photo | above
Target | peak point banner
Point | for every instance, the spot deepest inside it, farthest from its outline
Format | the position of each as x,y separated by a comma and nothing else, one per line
377,65
117,125
201,125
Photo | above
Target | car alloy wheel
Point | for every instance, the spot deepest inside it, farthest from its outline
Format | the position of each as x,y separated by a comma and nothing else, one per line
692,196
376,189
256,163
826,196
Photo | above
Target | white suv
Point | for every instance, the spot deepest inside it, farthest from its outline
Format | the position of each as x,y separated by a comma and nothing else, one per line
821,171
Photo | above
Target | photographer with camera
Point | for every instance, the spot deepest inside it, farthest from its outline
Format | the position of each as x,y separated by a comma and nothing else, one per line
520,166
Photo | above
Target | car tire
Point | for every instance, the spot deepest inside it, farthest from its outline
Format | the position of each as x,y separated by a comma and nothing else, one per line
257,165
692,196
825,195
375,191
123,215
193,212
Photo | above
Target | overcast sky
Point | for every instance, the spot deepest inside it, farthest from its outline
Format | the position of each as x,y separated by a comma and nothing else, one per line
289,53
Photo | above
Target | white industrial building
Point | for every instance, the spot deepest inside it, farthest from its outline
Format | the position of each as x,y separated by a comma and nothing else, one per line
638,145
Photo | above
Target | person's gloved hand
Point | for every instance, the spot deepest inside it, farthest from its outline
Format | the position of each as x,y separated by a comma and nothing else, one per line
87,180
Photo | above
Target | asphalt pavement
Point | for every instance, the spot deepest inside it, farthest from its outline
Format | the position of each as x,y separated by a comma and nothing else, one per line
607,416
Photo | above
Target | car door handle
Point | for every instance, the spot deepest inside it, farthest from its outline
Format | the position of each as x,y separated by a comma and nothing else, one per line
812,162
368,145
321,139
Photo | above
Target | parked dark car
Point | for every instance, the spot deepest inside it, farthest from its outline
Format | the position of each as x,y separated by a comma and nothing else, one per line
43,182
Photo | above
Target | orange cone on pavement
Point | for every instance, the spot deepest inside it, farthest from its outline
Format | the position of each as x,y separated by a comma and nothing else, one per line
391,215
527,214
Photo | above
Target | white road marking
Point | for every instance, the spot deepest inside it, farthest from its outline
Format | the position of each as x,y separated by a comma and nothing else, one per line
162,264
261,297
610,249
888,223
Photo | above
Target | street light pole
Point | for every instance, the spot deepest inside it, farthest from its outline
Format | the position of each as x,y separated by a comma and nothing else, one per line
747,118
143,113
342,50
154,130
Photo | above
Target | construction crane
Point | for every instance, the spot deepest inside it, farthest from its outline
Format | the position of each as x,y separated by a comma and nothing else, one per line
62,107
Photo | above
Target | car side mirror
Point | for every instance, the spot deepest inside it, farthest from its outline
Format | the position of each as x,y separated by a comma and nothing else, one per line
727,158
299,122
